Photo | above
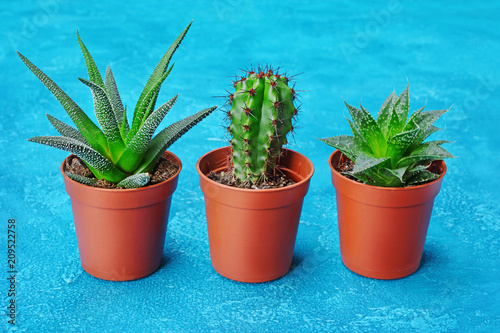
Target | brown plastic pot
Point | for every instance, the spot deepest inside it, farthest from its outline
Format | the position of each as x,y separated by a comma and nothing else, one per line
121,232
252,232
382,230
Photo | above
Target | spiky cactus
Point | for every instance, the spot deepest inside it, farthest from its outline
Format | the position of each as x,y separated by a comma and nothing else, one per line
391,151
262,108
118,153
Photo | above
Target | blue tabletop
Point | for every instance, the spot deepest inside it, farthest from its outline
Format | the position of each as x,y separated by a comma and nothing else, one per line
447,51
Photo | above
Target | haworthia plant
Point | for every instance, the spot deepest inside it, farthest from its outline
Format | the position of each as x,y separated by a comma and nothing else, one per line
116,151
390,151
262,108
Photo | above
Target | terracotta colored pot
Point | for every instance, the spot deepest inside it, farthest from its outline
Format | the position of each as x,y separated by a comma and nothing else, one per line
252,232
382,230
121,233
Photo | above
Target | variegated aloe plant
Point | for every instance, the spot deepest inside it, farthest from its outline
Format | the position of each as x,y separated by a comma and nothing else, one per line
391,151
120,153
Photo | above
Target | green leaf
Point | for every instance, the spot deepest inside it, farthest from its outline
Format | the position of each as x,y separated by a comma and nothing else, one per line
359,176
423,153
81,179
124,129
168,136
135,181
421,177
368,128
86,127
90,156
140,112
425,120
381,178
116,101
398,144
418,167
402,107
412,122
162,66
403,140
366,162
345,143
396,173
153,100
385,112
106,117
425,134
132,155
436,142
94,75
66,130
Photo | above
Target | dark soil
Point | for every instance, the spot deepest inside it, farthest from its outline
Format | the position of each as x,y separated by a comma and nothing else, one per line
227,178
346,165
164,170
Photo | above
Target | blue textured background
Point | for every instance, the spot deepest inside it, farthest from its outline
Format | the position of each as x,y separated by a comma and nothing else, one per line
345,49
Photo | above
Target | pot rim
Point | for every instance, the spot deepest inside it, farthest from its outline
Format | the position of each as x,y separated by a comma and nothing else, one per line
140,189
252,190
383,188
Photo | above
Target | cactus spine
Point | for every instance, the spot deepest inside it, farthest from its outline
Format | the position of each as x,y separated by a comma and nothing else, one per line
261,117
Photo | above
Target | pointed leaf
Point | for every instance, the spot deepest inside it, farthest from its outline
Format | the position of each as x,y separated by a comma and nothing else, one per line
437,142
397,173
86,153
412,122
94,75
418,167
124,129
423,153
81,179
346,144
403,140
368,128
427,118
359,176
132,155
379,178
425,121
398,144
366,162
141,109
168,136
105,116
152,102
86,127
66,130
421,177
162,65
115,100
402,107
384,113
135,181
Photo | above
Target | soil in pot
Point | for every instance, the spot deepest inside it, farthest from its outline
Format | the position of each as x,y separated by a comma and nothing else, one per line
226,177
164,170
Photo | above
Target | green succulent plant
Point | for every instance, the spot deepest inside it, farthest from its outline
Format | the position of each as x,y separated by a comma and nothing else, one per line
261,112
117,152
391,151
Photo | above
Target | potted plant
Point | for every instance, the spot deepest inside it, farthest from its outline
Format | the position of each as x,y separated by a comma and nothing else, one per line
386,178
122,178
254,188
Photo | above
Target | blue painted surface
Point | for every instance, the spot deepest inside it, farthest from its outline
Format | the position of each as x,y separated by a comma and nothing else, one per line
449,53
